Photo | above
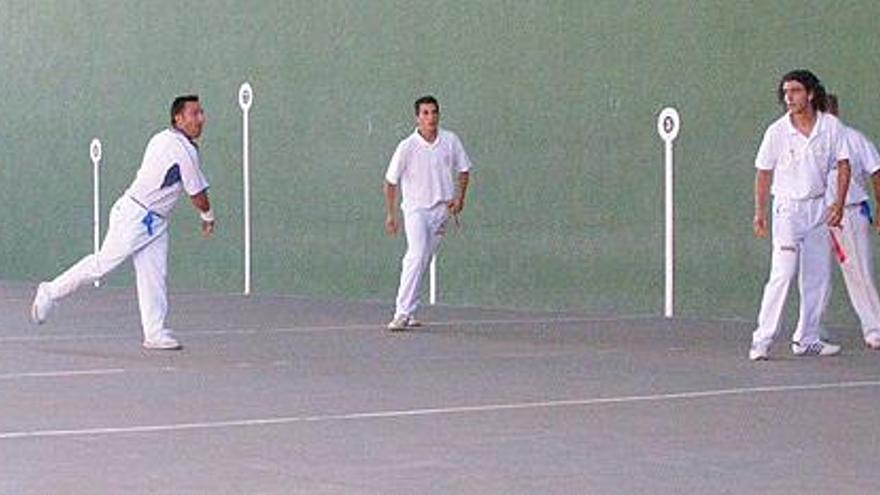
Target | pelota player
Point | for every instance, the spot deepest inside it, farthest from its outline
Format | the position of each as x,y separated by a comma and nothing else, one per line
797,153
422,166
138,224
854,234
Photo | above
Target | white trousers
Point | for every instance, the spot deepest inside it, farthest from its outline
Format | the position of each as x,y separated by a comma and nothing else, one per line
127,235
424,231
801,245
858,267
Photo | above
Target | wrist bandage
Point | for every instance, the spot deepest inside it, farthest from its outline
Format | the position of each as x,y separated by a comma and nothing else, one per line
207,216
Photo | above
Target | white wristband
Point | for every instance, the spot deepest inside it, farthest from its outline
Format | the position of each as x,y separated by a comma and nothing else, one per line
207,216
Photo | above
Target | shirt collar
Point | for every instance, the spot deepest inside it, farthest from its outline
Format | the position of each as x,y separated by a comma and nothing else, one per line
183,135
818,127
424,142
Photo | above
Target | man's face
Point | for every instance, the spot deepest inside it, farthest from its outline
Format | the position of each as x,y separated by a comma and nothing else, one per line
191,119
428,118
797,99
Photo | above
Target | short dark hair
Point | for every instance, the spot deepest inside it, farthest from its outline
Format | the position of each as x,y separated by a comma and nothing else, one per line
178,104
810,82
426,100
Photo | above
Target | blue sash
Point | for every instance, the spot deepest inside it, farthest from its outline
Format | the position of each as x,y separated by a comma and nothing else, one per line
148,221
865,208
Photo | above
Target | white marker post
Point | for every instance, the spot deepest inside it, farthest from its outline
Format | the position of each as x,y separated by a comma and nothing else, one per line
95,154
667,127
432,284
245,99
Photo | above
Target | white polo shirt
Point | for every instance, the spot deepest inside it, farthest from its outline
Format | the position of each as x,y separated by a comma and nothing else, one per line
425,170
864,161
170,166
801,164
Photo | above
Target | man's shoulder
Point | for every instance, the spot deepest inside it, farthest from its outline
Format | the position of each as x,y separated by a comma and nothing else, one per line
169,141
777,130
832,122
855,136
409,140
166,133
781,124
162,138
447,134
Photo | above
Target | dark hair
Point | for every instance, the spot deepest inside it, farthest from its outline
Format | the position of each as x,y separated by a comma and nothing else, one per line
833,103
426,100
810,82
178,104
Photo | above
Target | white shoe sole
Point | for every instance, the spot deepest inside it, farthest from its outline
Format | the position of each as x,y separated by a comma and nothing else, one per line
152,346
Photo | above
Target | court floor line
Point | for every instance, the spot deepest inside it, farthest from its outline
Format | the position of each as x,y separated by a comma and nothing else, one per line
320,328
439,411
61,373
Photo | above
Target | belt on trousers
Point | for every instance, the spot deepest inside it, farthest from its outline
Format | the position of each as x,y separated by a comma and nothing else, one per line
149,218
800,200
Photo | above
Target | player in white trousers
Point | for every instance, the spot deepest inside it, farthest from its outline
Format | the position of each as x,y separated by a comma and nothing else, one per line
138,224
422,166
855,255
796,155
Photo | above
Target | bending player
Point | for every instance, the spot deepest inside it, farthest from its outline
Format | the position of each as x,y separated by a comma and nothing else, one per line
854,233
139,224
797,153
423,165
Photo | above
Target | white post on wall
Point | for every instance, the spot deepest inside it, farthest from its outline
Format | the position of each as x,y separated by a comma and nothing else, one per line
432,289
668,126
245,99
95,155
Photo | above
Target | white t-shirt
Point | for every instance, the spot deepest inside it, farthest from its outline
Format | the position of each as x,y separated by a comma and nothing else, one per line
801,164
864,161
170,166
424,170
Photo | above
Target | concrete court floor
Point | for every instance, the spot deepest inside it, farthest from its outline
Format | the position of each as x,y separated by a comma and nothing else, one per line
296,395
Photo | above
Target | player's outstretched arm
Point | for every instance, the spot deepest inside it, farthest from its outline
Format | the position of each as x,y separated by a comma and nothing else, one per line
201,202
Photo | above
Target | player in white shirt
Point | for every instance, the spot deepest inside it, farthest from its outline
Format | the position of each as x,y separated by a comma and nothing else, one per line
798,152
138,224
854,252
422,166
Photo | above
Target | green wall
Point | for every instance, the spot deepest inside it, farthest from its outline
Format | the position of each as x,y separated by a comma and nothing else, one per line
555,101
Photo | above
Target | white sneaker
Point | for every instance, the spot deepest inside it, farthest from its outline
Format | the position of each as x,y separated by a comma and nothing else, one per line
759,352
412,322
165,342
873,341
398,323
817,348
42,305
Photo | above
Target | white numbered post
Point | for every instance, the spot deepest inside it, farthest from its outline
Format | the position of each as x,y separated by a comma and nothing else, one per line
667,127
245,100
95,155
432,289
